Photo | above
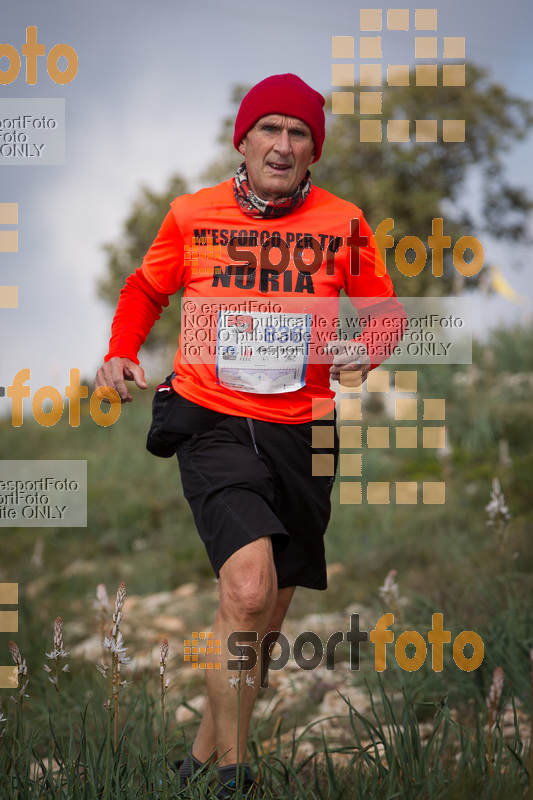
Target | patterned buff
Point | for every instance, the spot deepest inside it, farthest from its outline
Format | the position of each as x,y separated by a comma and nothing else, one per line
253,206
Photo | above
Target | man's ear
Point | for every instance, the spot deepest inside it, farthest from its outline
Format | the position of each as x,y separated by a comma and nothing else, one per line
241,148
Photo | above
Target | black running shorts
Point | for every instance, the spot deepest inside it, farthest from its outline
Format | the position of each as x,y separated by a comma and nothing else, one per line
247,478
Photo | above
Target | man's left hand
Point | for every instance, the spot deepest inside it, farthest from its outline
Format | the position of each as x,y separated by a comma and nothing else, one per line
351,363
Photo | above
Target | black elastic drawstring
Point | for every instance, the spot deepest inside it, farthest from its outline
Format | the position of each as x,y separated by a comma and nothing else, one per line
252,431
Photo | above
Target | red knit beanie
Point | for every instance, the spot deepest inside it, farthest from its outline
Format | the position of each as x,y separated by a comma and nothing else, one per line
282,94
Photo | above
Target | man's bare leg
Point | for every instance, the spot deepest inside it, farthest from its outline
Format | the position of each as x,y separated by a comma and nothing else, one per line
249,601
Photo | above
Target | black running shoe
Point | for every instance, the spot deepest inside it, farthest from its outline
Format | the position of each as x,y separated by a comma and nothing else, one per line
186,769
247,788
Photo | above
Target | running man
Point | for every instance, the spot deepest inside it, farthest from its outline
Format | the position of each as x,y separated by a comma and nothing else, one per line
262,259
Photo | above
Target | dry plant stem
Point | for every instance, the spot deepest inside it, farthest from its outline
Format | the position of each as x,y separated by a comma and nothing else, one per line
117,649
235,683
115,643
531,732
238,686
22,671
3,720
163,686
57,655
116,674
493,701
489,753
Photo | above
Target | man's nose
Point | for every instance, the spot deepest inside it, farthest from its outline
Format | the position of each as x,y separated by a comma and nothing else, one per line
283,143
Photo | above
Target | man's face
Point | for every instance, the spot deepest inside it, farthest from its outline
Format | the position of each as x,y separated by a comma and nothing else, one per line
277,152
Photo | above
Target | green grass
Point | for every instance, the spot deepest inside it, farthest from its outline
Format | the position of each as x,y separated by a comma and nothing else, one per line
387,758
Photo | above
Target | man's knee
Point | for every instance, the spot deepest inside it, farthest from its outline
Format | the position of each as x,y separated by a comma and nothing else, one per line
248,582
249,596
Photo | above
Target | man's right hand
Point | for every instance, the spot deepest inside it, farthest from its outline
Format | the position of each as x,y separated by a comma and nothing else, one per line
115,372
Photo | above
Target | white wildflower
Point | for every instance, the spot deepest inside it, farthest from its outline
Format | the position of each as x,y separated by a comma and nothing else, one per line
22,671
163,684
102,603
250,681
390,591
119,605
499,515
497,508
57,654
116,645
102,606
17,658
163,648
234,682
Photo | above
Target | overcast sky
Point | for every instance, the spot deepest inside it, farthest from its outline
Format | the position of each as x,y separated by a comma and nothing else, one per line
153,85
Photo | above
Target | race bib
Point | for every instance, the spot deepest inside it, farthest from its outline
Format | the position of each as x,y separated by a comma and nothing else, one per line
263,353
